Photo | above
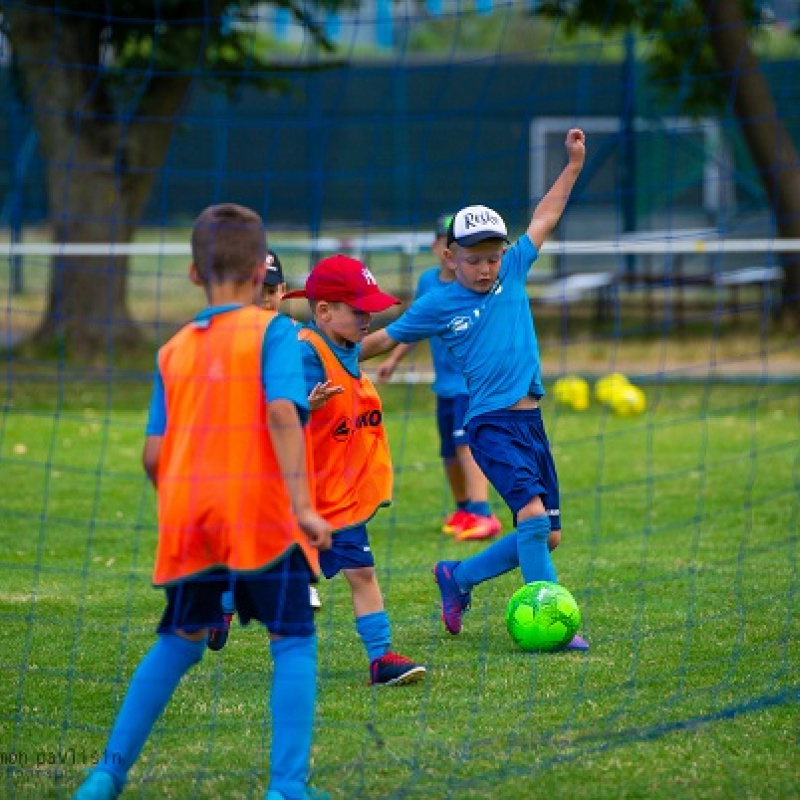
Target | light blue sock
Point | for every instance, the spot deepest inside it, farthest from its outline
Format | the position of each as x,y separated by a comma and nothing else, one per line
376,634
480,508
149,691
534,556
499,557
293,699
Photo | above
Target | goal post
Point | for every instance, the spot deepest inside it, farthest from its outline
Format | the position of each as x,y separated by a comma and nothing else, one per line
683,167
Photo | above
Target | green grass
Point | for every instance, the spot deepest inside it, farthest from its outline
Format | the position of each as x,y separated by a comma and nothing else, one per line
680,544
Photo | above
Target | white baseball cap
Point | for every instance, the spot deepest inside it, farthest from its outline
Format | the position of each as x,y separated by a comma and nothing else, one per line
475,224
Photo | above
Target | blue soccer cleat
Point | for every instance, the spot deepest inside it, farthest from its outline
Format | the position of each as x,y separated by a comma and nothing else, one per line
98,785
454,601
392,669
308,794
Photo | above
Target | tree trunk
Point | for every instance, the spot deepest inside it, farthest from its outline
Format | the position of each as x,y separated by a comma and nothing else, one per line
100,168
766,134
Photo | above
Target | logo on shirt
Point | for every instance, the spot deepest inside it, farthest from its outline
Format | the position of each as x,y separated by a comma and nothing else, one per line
369,419
216,371
344,428
459,324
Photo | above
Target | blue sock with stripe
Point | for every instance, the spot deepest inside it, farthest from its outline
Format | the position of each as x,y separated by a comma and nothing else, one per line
534,556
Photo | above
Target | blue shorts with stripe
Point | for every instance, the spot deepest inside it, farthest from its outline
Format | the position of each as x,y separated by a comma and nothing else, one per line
450,413
278,597
512,450
350,549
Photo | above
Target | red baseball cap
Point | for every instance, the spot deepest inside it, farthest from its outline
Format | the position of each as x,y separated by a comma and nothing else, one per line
342,279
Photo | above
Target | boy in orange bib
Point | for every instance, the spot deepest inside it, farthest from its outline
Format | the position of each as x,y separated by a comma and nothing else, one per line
352,464
226,451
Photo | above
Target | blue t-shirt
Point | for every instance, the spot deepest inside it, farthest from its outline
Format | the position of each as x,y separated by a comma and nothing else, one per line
490,336
312,363
447,378
281,370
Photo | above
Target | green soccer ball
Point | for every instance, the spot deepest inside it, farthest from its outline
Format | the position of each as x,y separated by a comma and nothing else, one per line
542,616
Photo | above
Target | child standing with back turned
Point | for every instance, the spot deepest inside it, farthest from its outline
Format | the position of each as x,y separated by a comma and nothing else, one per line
226,451
485,320
352,464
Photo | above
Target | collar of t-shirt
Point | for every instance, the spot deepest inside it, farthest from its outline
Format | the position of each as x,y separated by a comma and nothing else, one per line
204,316
347,354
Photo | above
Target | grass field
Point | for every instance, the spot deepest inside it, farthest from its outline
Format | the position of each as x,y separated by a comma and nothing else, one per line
680,544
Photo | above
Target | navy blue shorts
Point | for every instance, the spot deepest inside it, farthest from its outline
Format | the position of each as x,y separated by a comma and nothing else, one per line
512,450
350,549
450,413
278,597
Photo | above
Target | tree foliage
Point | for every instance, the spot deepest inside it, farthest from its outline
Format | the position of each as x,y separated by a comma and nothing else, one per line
704,50
106,84
676,47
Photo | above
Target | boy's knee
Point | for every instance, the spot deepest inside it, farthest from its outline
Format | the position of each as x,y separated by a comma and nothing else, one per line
192,645
193,636
533,508
360,576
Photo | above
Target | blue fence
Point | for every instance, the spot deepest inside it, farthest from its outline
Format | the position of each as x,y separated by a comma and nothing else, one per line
374,145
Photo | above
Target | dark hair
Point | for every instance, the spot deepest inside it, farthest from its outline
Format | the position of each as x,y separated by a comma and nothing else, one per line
228,243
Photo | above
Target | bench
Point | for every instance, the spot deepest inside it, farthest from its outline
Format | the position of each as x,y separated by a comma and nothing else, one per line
576,287
601,285
763,277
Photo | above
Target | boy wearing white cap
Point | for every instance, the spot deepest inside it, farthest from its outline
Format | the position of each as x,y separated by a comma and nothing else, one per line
472,518
484,319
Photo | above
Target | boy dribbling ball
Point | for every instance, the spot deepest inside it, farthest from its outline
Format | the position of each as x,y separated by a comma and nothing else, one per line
472,518
484,319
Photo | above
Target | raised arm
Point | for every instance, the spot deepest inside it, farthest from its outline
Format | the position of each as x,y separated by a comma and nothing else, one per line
550,208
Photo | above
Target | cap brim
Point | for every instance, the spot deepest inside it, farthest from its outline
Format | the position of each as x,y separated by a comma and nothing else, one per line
373,303
481,236
295,293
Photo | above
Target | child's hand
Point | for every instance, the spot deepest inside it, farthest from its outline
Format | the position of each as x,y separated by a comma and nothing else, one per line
315,528
321,393
385,371
576,146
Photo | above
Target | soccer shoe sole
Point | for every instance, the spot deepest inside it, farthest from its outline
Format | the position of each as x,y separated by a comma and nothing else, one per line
414,675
